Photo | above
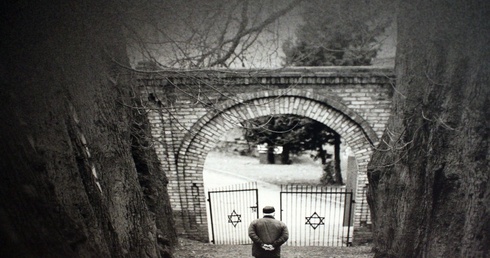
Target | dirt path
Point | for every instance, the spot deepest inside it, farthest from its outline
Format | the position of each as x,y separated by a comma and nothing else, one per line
194,249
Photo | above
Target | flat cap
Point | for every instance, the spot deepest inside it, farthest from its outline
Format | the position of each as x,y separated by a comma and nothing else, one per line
268,209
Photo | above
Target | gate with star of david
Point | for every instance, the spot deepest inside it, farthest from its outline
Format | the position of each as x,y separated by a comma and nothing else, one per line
231,210
317,215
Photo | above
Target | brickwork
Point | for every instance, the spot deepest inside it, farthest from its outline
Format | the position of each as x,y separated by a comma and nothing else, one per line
189,114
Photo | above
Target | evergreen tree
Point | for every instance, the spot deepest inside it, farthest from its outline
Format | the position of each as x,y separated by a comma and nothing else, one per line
338,32
295,135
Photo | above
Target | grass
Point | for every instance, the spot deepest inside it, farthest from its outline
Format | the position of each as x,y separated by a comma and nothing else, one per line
303,170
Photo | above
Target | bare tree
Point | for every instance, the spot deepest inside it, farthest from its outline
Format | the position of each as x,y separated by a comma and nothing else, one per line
197,34
76,158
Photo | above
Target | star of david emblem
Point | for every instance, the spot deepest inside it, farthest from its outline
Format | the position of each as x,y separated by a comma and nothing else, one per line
234,218
314,220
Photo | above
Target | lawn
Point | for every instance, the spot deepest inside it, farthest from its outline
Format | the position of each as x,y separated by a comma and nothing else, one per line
303,170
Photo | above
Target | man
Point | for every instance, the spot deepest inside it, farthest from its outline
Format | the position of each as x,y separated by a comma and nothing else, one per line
267,234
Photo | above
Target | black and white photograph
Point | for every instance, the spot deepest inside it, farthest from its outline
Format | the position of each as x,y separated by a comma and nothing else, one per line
245,128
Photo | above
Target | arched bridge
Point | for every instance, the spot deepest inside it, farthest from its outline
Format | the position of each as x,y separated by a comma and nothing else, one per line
190,111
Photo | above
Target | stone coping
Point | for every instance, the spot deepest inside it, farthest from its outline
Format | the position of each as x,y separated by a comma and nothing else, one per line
321,71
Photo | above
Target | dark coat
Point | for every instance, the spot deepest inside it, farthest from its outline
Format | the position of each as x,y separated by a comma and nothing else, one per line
267,230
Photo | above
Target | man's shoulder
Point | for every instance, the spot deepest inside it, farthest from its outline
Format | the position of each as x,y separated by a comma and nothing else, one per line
259,220
271,220
255,221
279,222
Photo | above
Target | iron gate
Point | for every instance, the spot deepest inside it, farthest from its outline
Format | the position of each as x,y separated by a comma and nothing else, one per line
316,215
231,209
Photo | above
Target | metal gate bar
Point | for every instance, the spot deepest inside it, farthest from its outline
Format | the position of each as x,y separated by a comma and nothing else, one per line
231,209
317,215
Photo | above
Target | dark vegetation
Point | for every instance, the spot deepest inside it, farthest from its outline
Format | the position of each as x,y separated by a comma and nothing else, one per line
296,135
339,32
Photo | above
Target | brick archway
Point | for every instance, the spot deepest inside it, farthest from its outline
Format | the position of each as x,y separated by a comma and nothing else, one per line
206,132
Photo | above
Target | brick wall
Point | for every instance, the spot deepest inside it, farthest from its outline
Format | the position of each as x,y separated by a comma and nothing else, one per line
189,114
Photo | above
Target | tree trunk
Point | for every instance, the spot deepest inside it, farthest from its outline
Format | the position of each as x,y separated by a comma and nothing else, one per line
153,182
429,180
285,154
270,154
322,154
68,183
338,169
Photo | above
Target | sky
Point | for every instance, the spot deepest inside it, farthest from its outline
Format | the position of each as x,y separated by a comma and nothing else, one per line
185,28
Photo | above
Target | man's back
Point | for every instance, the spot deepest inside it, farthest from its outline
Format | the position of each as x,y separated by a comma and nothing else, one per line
267,231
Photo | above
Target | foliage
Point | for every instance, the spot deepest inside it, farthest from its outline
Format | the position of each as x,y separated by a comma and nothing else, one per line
338,32
329,176
295,134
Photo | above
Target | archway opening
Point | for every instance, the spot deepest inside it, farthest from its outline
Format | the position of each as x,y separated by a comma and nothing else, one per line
237,161
208,130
